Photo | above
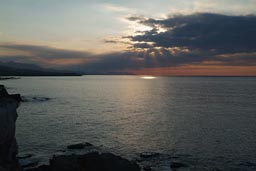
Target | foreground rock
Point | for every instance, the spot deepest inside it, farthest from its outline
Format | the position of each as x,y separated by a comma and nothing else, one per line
89,162
8,116
177,165
79,145
149,155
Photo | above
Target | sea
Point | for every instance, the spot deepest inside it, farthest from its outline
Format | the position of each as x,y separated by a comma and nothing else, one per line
205,123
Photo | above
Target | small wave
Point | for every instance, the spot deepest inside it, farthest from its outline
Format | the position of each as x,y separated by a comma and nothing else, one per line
35,99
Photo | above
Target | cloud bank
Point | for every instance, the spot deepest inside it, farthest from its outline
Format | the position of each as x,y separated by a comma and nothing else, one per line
197,39
202,31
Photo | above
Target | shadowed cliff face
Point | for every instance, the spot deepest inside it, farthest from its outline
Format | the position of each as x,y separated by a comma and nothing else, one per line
8,116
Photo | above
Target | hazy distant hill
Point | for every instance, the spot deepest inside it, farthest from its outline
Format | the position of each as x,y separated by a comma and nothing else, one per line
21,69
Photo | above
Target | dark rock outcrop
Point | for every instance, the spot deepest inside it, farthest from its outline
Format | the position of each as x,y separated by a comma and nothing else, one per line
149,155
177,165
94,161
8,116
147,168
25,156
79,145
40,168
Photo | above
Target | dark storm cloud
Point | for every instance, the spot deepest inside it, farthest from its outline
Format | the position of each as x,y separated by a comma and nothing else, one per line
142,45
46,52
149,57
203,31
162,58
18,58
237,59
109,62
199,39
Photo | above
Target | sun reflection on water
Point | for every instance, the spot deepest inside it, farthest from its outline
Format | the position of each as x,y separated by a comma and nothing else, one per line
148,77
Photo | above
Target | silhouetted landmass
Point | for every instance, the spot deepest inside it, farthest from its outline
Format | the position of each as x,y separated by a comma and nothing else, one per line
8,78
79,145
20,69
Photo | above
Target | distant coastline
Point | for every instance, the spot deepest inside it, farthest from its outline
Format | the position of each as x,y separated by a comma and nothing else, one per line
13,74
14,69
8,78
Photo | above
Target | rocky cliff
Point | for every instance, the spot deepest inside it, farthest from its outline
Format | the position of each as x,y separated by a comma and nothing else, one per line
8,116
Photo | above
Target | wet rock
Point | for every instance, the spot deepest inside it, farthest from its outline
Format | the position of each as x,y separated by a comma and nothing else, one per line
177,165
147,168
8,117
24,156
149,154
79,145
138,160
40,168
89,162
248,164
27,162
111,161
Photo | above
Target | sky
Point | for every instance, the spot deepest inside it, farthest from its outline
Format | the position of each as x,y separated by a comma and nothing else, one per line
157,37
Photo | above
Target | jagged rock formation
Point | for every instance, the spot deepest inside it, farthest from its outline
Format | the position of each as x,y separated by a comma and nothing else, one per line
94,161
8,116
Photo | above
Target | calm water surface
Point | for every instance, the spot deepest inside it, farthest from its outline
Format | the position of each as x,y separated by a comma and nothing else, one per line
206,122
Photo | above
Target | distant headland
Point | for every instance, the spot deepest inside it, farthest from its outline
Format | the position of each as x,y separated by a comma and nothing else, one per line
20,69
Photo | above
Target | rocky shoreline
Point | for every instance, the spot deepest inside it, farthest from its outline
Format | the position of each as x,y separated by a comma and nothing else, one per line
8,117
76,157
92,161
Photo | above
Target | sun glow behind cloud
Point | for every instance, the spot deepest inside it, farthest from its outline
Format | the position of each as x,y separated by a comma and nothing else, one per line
130,35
